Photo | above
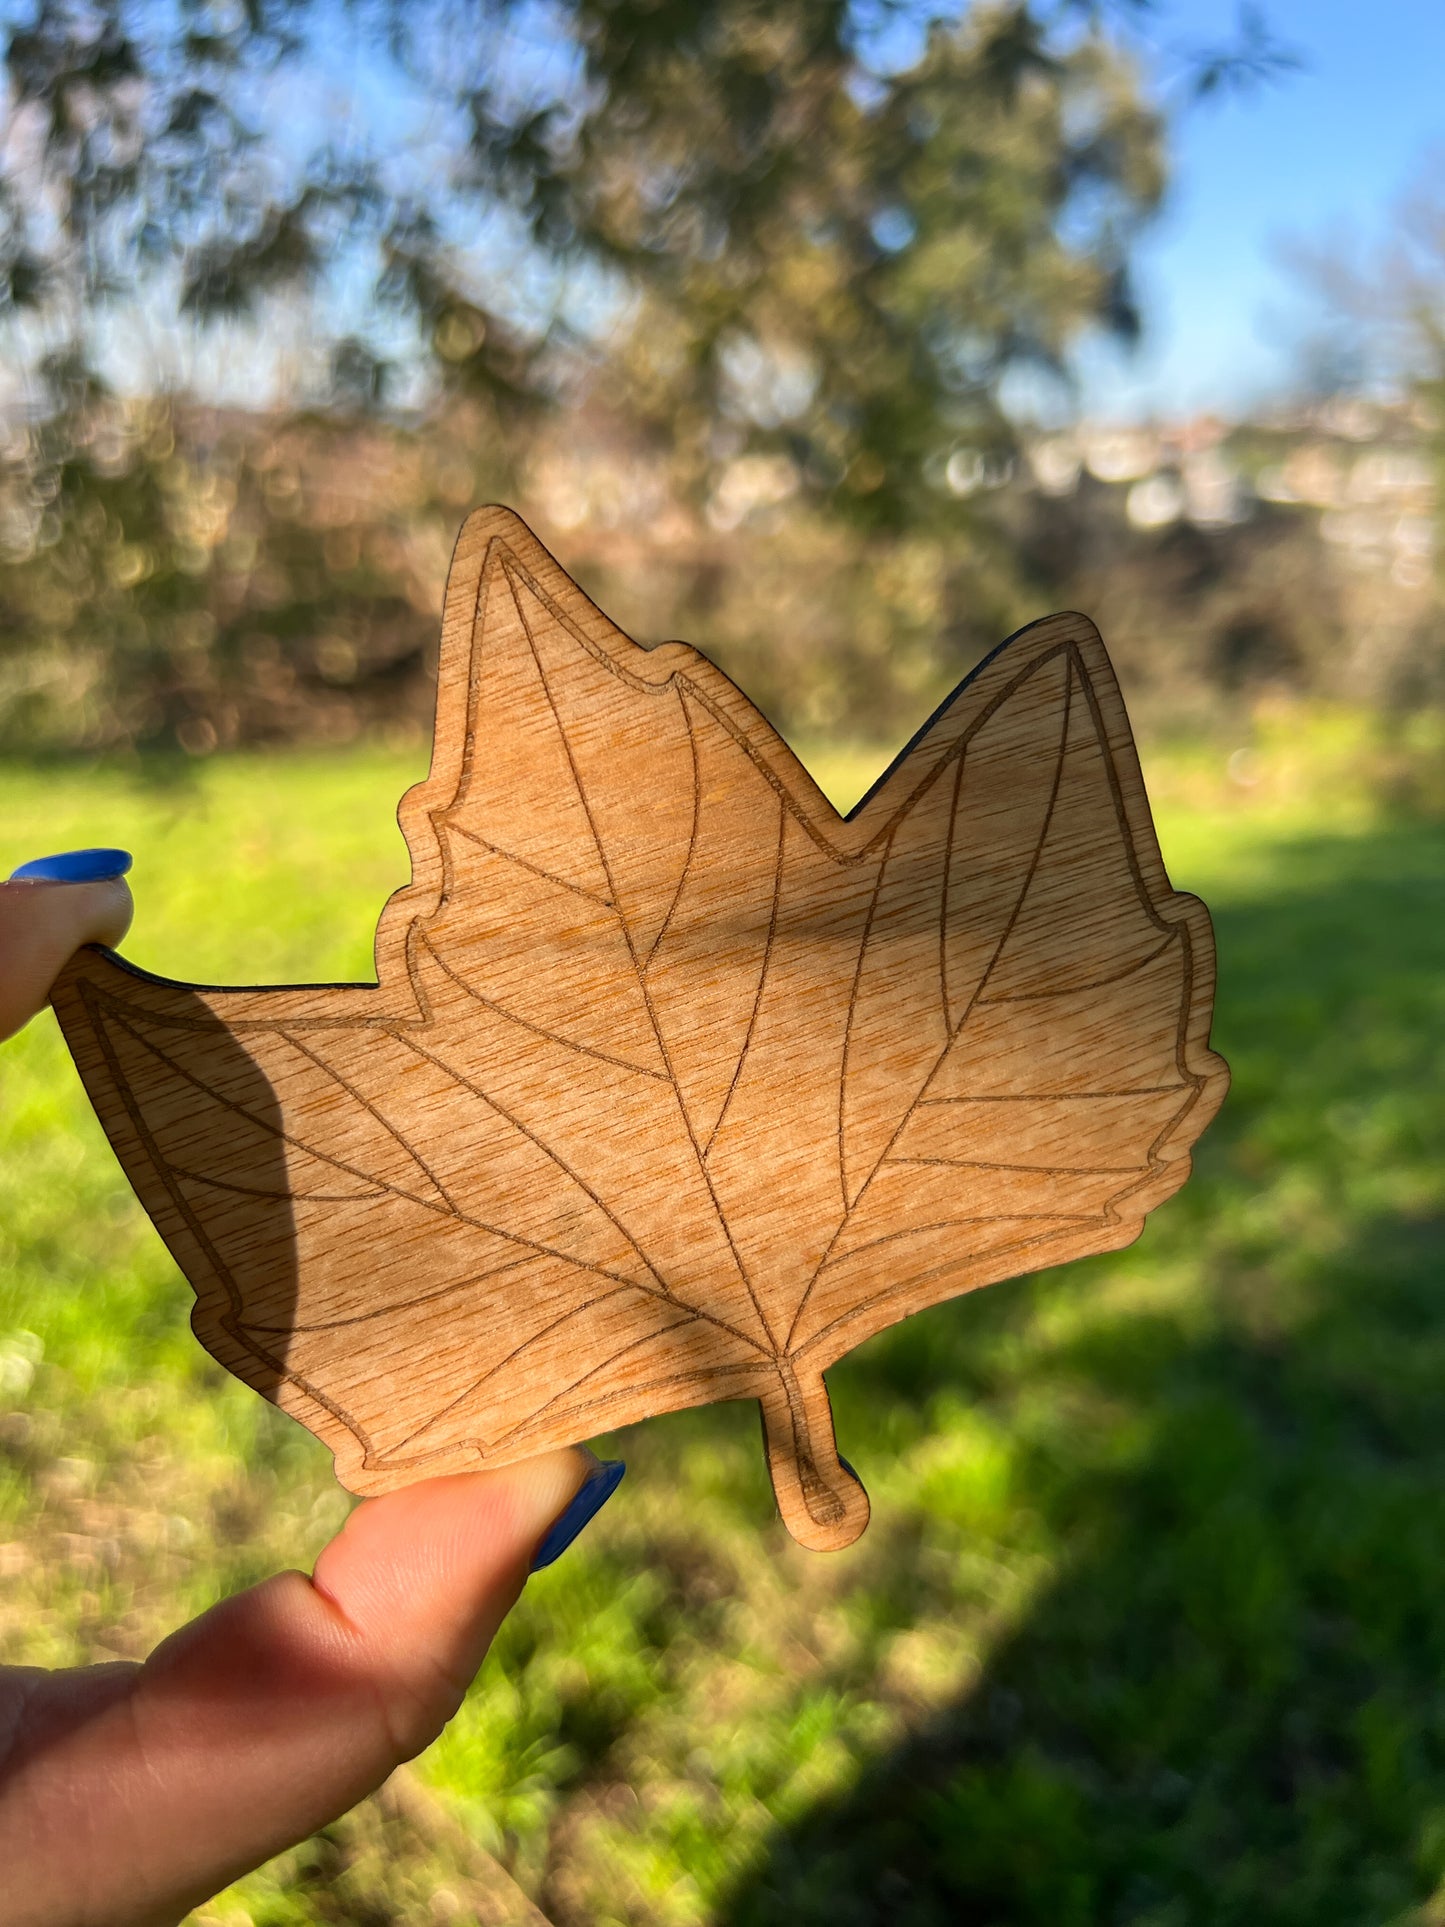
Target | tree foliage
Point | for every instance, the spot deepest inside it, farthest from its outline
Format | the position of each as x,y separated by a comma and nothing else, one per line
831,227
824,234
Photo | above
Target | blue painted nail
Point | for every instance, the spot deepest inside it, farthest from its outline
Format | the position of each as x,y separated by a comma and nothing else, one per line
593,1493
74,866
849,1470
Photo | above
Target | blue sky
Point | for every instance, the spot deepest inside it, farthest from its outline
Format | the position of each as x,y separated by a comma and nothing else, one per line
1332,146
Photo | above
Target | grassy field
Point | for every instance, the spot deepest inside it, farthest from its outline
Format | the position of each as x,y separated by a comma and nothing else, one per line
1149,1627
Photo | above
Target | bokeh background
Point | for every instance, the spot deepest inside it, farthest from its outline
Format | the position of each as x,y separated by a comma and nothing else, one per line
842,337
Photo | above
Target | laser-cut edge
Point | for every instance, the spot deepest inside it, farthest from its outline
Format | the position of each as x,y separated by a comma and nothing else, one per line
890,798
293,1042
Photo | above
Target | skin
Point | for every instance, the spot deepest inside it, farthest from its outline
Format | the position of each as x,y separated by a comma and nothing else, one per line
131,1793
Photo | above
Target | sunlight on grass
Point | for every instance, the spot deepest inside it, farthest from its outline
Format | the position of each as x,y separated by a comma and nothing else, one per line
1147,1625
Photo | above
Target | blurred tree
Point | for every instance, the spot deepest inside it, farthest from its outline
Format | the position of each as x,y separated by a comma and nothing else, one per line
821,234
832,224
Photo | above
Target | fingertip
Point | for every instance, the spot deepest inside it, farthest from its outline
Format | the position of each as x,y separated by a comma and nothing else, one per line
43,922
440,1550
418,1581
110,910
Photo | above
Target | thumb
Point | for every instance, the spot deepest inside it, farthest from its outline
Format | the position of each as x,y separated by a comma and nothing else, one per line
281,1707
424,1577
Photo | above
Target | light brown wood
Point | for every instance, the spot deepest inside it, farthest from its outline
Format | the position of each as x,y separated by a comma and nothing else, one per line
675,1085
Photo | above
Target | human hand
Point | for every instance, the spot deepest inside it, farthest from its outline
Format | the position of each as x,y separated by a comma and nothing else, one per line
48,909
130,1793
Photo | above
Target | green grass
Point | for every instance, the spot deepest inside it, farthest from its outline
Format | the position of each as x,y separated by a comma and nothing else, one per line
1149,1627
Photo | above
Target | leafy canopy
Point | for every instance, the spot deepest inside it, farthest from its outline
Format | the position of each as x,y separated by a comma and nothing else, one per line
826,226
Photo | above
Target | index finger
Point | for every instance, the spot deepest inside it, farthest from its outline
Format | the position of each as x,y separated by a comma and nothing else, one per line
48,909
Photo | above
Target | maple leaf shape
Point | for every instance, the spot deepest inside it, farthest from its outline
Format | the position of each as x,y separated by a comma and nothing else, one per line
675,1085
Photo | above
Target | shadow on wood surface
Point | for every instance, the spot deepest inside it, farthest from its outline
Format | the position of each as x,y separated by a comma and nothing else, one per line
192,1116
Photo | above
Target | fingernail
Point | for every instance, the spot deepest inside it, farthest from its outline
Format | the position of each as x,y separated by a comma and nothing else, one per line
74,866
849,1470
593,1493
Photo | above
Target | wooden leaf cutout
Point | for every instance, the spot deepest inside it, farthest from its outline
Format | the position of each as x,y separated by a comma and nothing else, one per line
674,1085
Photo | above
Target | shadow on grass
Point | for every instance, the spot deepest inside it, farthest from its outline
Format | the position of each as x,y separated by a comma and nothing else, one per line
1230,1703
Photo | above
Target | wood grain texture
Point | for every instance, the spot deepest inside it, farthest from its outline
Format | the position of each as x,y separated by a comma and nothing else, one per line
675,1085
